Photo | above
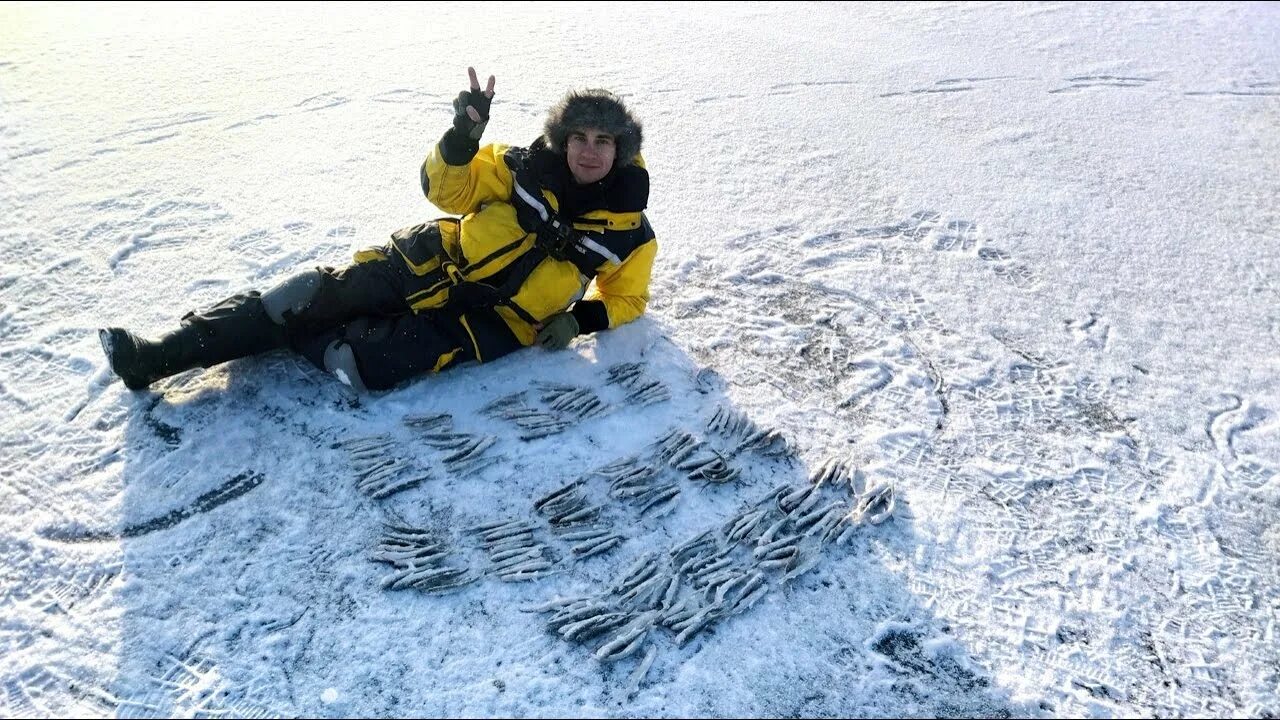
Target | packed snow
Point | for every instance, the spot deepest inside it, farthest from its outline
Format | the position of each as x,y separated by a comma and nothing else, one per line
1004,277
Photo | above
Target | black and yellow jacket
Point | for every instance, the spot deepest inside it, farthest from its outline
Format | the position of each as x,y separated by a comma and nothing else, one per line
605,285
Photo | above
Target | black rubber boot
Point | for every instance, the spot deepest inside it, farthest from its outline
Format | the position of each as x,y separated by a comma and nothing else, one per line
140,362
235,328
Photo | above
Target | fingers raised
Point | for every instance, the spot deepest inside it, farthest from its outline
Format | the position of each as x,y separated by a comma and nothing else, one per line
475,82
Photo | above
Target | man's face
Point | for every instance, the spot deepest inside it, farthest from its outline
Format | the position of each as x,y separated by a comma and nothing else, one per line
591,154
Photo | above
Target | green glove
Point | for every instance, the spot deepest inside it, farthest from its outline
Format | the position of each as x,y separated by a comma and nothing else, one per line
557,331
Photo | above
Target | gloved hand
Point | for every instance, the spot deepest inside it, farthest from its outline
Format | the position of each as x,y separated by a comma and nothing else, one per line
558,331
471,108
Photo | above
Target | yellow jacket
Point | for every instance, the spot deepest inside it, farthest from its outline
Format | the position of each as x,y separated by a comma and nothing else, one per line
610,285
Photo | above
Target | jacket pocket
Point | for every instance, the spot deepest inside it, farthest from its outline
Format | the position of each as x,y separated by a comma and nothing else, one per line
426,264
420,246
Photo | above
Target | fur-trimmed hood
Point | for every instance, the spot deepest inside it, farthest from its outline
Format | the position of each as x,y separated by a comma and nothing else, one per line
599,109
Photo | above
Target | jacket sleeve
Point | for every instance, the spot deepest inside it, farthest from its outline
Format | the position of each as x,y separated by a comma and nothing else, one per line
461,189
621,294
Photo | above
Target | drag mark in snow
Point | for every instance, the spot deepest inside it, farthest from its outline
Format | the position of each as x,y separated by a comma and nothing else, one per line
952,81
715,98
1081,82
930,90
783,89
157,138
813,83
1216,414
232,489
252,121
149,127
1261,89
322,101
1224,424
28,153
406,96
1237,93
950,85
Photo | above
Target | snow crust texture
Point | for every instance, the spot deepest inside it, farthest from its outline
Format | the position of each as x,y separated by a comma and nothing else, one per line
957,394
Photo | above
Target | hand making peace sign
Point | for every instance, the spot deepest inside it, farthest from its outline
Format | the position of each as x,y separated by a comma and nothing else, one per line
471,108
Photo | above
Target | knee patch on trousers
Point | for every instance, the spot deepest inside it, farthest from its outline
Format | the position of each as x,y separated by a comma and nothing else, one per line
291,296
340,360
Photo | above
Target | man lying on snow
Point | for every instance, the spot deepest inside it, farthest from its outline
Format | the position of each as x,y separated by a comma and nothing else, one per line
538,225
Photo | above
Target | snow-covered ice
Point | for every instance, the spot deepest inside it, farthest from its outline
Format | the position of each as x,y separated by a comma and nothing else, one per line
1018,261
